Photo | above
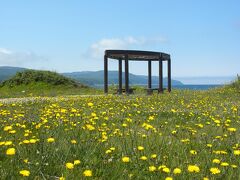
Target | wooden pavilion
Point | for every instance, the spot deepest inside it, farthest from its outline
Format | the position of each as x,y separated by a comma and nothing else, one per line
133,55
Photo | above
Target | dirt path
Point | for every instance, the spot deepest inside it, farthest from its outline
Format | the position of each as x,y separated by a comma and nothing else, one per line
32,99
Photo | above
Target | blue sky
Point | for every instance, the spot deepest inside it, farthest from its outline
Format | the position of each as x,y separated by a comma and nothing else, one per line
203,37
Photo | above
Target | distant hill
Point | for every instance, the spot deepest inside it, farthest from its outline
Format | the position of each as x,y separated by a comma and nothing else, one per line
96,78
91,78
7,72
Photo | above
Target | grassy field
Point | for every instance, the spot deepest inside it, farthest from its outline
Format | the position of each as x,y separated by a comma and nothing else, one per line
43,89
178,135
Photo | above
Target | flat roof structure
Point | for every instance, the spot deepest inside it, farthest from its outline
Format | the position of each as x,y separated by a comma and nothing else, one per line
134,55
137,55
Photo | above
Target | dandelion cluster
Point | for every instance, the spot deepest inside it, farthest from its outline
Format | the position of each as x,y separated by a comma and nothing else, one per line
181,135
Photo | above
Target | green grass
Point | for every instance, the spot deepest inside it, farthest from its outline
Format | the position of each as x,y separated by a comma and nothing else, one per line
169,125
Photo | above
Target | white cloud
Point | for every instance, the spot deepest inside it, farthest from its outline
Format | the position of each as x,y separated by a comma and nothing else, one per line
11,58
5,51
97,49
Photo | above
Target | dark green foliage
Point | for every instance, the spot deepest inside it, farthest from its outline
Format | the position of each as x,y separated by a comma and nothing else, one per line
34,76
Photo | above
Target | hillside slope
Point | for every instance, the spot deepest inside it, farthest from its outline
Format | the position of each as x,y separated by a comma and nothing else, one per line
41,83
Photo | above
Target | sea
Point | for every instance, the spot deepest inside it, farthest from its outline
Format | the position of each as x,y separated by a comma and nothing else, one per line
185,86
197,87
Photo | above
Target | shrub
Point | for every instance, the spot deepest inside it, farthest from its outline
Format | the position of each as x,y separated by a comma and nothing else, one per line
34,76
236,83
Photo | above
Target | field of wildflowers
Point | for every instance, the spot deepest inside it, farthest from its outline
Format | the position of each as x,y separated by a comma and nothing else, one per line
181,135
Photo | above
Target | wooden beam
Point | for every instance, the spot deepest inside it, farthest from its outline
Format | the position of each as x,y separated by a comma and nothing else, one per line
126,74
160,76
169,76
120,76
105,74
149,74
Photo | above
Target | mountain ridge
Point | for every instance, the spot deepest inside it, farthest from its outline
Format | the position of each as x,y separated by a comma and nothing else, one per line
91,78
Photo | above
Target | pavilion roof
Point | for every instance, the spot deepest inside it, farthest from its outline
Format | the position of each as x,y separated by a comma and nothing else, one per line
137,55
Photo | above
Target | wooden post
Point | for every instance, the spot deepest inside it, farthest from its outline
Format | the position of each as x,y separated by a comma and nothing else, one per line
169,75
105,74
126,75
149,74
160,76
120,76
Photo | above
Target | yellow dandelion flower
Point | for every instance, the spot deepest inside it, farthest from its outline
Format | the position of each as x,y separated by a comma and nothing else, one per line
87,173
7,128
125,159
161,167
90,127
90,104
12,131
153,156
193,152
8,143
32,141
166,170
177,171
73,141
152,168
112,148
10,151
108,151
76,162
224,164
232,129
25,160
168,178
185,140
217,161
144,136
24,172
193,169
50,140
93,114
69,165
144,158
236,152
124,125
26,141
215,170
209,145
140,148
